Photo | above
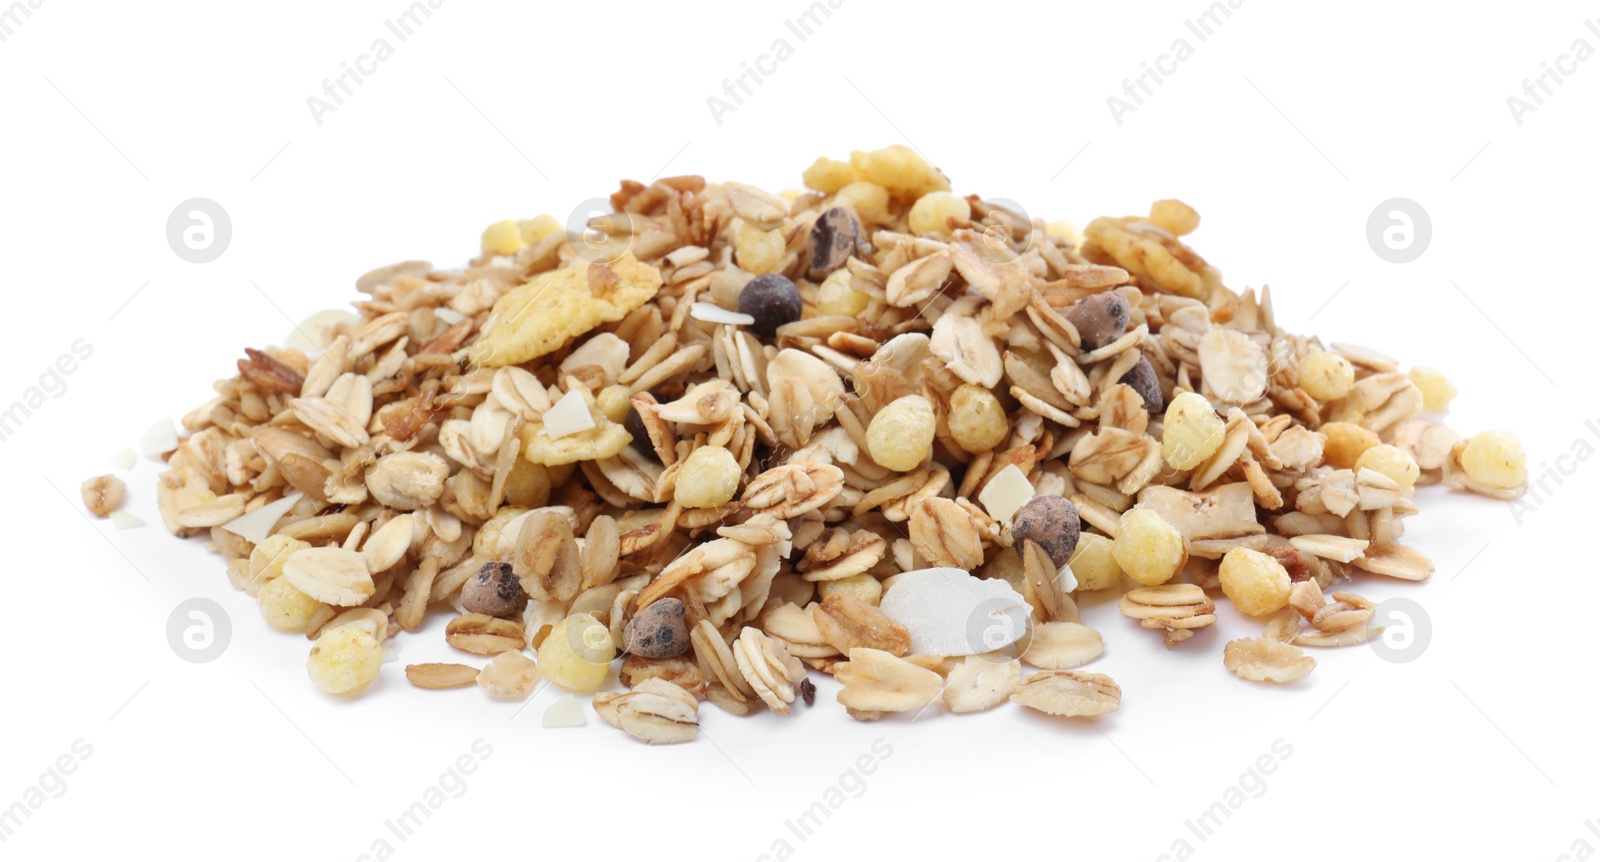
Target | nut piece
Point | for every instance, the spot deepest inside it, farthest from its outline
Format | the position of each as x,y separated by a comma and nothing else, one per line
846,622
1070,693
1100,319
1266,660
102,495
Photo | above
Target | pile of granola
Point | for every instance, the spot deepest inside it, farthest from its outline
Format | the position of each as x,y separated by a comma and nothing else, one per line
872,429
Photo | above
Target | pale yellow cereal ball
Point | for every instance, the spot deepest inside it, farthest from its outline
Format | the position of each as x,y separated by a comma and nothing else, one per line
528,485
863,586
1346,442
755,250
1326,376
1394,462
901,435
344,659
828,175
1496,459
934,212
1256,583
1065,231
1437,390
1174,217
286,608
537,228
900,169
869,200
1094,564
836,296
1191,432
977,420
577,653
709,477
266,559
1148,548
502,237
613,402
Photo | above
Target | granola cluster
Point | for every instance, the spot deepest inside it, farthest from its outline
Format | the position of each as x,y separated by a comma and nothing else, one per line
874,429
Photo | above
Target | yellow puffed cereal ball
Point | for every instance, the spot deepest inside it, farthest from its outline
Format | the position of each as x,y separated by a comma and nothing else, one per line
1094,564
709,477
1496,459
1191,431
577,653
286,608
1256,583
901,435
1148,548
869,200
755,250
613,401
977,420
502,237
828,175
934,212
1394,462
1437,390
344,659
1346,442
537,228
1326,376
836,296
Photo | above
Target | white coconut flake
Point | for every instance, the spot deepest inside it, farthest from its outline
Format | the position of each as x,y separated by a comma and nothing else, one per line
125,520
160,439
1067,578
252,526
125,459
570,415
1006,493
712,313
565,712
449,315
318,331
951,613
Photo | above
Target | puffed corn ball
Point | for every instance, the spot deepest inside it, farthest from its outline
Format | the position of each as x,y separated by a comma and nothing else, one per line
1326,376
1437,390
1148,548
1065,231
863,586
502,237
1174,217
977,420
756,250
613,401
1346,442
344,659
1093,562
836,296
1394,462
1496,459
828,175
1191,432
286,608
577,653
901,435
537,228
266,558
1256,583
934,212
708,477
869,200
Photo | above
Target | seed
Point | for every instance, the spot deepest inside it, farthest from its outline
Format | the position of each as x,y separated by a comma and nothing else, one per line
1052,522
833,239
901,435
772,300
1100,319
495,591
1142,378
808,691
658,631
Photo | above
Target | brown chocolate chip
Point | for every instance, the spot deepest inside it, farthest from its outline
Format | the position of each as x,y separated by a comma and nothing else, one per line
1100,319
772,300
658,631
834,238
1051,521
808,691
495,590
1142,378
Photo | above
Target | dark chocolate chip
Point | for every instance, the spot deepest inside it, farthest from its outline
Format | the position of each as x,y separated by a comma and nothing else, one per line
834,238
1143,379
772,300
1100,319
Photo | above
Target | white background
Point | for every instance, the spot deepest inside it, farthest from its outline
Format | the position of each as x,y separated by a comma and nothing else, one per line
1284,129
